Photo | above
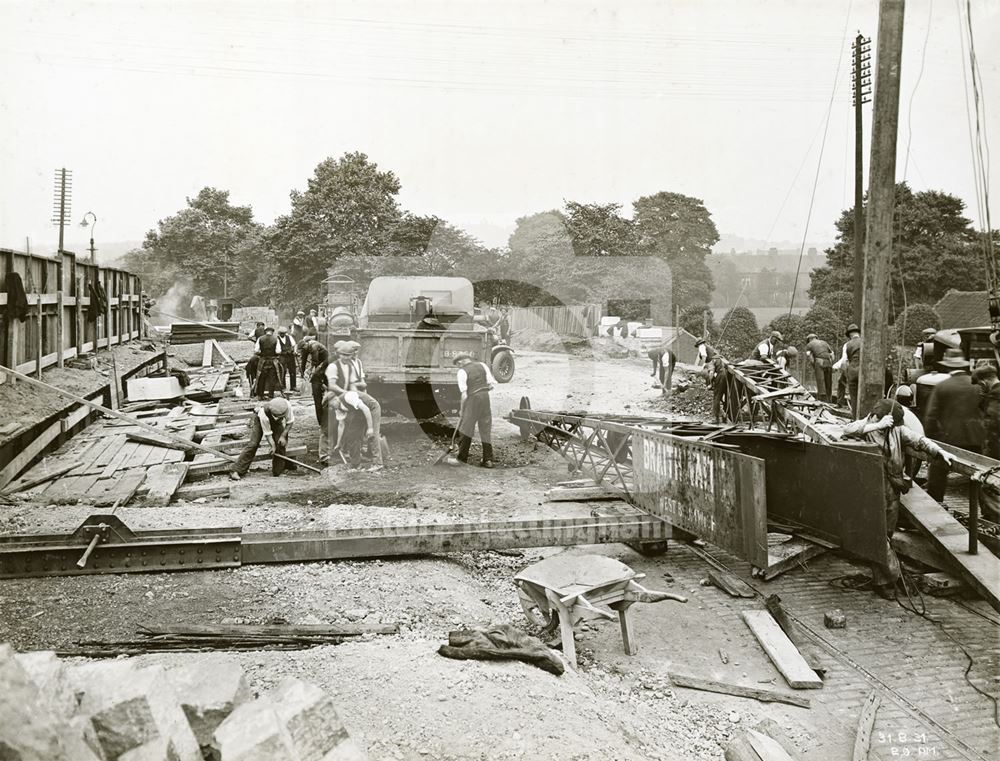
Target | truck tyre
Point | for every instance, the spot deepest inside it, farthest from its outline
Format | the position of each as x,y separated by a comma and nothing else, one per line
502,367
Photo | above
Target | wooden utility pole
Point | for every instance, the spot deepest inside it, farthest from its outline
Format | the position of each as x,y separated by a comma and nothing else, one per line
881,203
862,89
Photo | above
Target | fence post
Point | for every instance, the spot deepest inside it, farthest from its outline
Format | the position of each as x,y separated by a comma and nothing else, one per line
38,338
107,306
60,314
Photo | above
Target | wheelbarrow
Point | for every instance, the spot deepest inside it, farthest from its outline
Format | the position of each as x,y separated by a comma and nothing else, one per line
561,591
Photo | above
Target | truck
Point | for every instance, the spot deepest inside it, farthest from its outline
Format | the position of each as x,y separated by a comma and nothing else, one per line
410,330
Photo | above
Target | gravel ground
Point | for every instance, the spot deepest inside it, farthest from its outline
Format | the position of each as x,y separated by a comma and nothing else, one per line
399,697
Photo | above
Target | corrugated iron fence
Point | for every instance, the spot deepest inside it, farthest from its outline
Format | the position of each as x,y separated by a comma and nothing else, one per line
64,318
576,320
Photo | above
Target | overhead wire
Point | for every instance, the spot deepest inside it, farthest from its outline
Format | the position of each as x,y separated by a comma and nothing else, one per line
819,161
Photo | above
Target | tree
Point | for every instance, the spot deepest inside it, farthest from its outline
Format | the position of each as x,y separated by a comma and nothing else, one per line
679,230
739,333
694,320
200,242
934,248
349,209
911,322
598,230
841,304
727,278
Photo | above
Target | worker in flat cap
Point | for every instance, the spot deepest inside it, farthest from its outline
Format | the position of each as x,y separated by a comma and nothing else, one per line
347,373
299,325
272,420
769,347
926,337
820,355
849,368
286,355
475,381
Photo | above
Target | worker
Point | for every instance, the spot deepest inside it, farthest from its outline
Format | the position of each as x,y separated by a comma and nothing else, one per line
353,427
286,353
475,383
849,366
347,373
884,427
505,325
299,325
258,331
926,336
272,420
820,355
268,369
768,348
786,355
664,361
312,355
953,416
312,323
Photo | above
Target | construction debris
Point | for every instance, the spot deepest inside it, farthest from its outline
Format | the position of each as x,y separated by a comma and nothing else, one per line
118,711
809,651
835,619
781,651
730,584
739,690
501,643
866,721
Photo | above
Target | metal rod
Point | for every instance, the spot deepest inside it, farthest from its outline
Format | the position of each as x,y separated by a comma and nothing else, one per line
82,562
974,517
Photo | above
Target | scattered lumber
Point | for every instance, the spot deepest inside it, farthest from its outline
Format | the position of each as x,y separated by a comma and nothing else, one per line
203,468
805,646
288,630
862,740
33,478
191,493
919,548
157,441
781,651
739,690
580,493
730,584
163,480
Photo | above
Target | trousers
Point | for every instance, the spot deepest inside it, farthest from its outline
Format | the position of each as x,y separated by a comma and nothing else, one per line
477,414
278,466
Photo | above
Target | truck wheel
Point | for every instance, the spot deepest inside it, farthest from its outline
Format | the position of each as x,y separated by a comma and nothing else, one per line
503,367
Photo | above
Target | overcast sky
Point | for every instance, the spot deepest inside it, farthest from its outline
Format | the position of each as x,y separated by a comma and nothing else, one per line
486,111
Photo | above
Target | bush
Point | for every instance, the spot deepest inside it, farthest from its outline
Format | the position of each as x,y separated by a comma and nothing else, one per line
739,333
841,303
693,320
912,321
825,324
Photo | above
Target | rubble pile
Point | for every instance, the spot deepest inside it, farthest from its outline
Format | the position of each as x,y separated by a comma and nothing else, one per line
120,711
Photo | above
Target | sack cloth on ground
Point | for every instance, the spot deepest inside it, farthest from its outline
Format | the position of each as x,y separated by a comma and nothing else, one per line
500,643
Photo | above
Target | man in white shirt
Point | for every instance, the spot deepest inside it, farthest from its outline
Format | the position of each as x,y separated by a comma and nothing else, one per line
768,348
347,373
475,381
272,420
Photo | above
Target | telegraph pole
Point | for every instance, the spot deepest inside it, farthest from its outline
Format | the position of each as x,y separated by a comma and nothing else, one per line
61,201
862,90
881,203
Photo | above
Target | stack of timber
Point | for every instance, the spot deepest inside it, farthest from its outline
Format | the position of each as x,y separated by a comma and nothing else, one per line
196,332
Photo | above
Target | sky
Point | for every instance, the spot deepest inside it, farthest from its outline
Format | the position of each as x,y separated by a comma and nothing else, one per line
486,111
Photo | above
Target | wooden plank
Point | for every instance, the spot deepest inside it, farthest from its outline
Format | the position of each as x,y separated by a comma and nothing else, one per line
222,353
791,554
122,460
216,465
270,630
766,748
981,571
124,486
206,354
30,452
731,585
781,651
919,548
148,389
866,721
162,481
154,441
727,688
116,442
805,646
39,475
207,491
581,493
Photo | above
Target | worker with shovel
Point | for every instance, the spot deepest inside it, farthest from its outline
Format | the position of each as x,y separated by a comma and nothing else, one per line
274,420
475,381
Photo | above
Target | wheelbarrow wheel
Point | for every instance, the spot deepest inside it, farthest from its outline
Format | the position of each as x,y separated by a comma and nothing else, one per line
543,619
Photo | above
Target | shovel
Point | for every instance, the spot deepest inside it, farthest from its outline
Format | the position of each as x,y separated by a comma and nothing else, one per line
444,455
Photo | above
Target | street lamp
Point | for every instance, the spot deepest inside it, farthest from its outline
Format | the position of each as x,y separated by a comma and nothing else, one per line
86,221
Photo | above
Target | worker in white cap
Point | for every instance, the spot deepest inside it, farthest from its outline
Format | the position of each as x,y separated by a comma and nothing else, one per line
272,419
347,373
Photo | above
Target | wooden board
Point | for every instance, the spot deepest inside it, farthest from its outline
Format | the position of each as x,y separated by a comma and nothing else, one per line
781,651
866,721
162,481
118,489
919,548
727,688
981,571
731,585
791,554
44,472
147,389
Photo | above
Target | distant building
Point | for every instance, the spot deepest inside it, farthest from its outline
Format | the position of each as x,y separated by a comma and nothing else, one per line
963,309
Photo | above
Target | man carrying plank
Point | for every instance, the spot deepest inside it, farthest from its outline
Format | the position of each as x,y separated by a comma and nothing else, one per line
273,420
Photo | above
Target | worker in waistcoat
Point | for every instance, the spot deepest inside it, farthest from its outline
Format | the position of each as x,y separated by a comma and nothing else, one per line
268,380
475,381
347,373
286,353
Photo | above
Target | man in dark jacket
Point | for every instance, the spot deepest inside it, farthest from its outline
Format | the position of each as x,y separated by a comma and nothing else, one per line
821,356
286,353
953,416
268,365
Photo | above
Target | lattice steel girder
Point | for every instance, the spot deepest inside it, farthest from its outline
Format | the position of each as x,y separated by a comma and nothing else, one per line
106,545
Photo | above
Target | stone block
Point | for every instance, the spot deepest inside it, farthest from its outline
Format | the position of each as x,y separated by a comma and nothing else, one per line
311,720
834,619
160,749
29,729
131,707
49,675
253,732
209,689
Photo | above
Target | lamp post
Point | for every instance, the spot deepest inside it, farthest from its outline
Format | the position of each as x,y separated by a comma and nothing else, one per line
91,219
